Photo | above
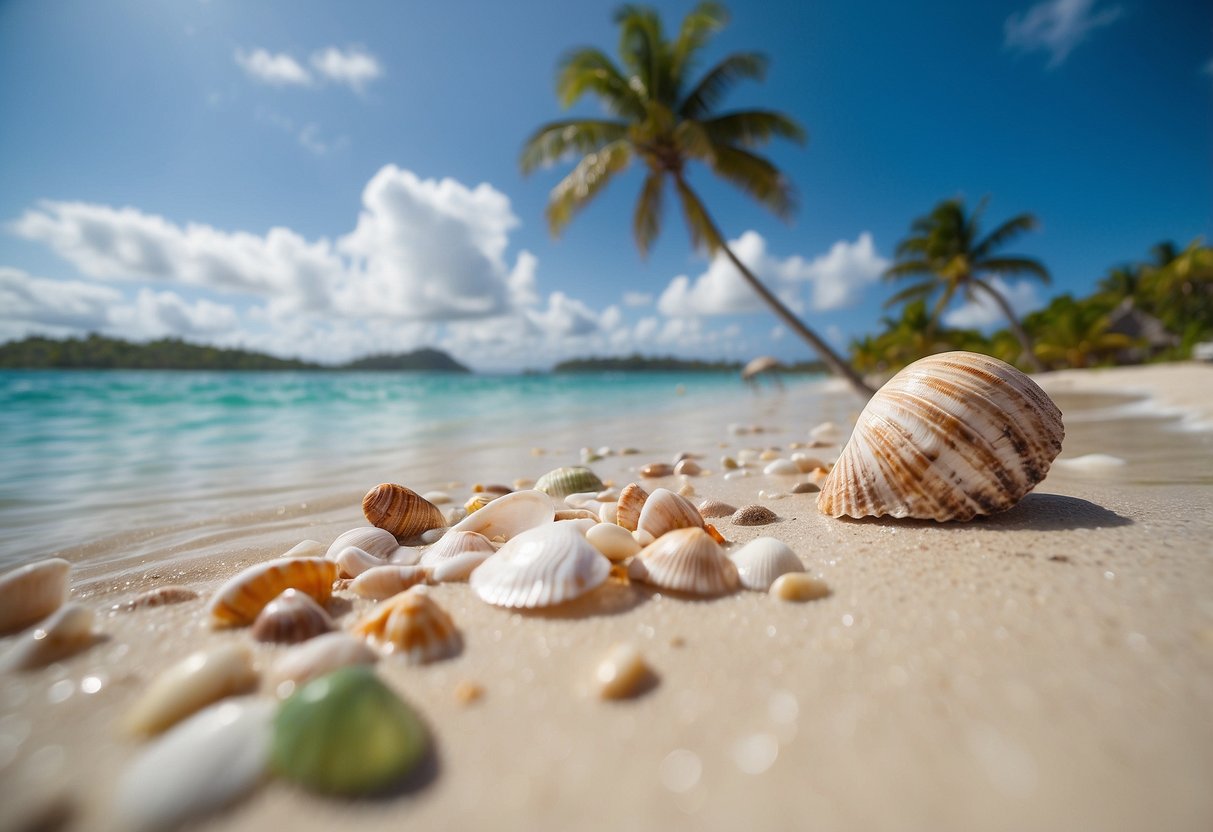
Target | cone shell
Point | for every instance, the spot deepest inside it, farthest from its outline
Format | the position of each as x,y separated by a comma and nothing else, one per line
290,618
686,560
400,510
191,684
375,541
239,600
665,511
385,581
509,515
412,625
631,501
565,481
65,633
762,560
318,657
949,437
30,593
456,544
541,567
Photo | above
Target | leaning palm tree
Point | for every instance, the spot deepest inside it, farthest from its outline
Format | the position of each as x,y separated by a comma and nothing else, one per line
664,121
947,255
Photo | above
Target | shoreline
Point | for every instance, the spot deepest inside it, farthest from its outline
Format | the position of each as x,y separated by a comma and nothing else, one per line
1050,667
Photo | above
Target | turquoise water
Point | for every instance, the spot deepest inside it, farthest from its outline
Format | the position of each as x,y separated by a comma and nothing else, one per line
85,454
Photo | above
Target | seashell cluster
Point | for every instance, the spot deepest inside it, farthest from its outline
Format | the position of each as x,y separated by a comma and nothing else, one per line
686,560
193,683
290,618
949,437
541,567
411,625
401,511
65,633
509,515
565,481
244,596
762,560
30,593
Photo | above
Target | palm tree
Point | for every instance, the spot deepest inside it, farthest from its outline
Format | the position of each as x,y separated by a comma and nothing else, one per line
949,255
1074,333
663,120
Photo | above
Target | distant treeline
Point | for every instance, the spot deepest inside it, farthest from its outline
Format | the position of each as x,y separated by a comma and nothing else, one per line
640,363
96,352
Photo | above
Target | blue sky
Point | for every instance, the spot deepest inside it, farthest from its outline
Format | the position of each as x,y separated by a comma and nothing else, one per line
333,179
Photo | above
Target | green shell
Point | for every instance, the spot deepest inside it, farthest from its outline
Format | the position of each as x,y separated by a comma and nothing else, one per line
347,733
565,481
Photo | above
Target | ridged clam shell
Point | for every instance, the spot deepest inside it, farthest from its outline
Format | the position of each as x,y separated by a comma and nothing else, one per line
378,542
686,560
456,544
30,593
385,581
411,625
951,436
631,501
665,511
202,765
716,508
353,561
193,683
541,567
65,633
565,481
240,599
160,596
290,618
317,657
762,560
507,516
400,510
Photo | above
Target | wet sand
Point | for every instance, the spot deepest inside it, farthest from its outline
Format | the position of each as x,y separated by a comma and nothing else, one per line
1047,668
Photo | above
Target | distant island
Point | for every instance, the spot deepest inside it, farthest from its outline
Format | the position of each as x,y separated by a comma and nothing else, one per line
97,352
642,363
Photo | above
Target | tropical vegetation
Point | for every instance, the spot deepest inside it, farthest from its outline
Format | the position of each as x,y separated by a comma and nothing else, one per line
666,119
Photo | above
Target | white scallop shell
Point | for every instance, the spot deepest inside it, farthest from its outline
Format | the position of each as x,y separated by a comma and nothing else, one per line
202,765
65,633
30,593
191,684
354,561
381,582
456,544
509,515
374,541
316,658
762,560
665,511
949,437
685,560
541,567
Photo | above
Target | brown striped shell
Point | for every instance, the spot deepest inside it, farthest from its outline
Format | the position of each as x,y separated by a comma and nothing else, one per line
951,436
631,501
401,511
239,600
290,618
665,511
685,560
411,625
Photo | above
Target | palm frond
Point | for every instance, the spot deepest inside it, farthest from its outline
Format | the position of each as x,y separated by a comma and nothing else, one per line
641,46
698,26
646,223
555,141
591,70
1016,265
757,177
753,128
1003,234
694,142
584,182
719,79
907,268
916,291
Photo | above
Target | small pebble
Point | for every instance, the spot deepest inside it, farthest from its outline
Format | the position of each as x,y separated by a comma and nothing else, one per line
799,586
656,469
781,468
686,490
772,495
523,483
754,515
688,468
740,473
728,463
769,455
716,508
805,488
438,498
622,673
468,692
615,542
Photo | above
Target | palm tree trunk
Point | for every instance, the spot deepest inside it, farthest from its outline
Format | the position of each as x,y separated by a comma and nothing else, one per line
832,360
1016,327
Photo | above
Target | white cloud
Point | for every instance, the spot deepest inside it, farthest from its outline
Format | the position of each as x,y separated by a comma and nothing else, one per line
41,302
982,312
354,67
157,314
564,317
1056,27
836,279
276,70
637,298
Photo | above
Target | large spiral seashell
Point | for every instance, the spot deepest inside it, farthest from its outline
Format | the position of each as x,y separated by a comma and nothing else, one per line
401,511
244,596
951,436
685,560
412,625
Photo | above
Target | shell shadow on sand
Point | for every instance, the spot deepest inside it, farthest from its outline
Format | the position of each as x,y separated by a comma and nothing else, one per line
1035,512
612,598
